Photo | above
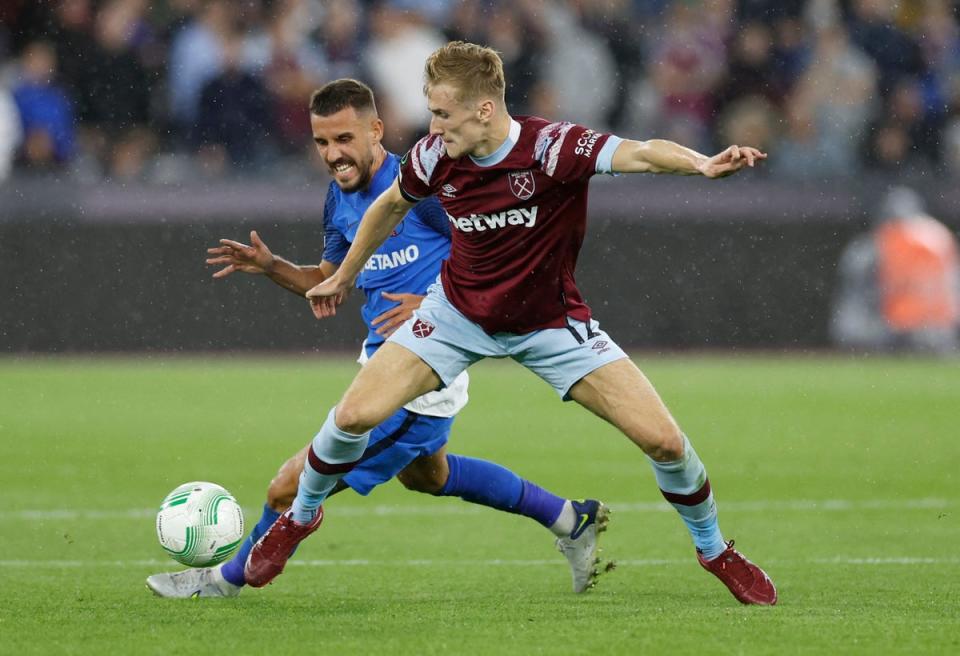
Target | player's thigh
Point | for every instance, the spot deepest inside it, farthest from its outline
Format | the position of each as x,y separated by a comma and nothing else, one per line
427,474
563,356
393,377
283,487
620,393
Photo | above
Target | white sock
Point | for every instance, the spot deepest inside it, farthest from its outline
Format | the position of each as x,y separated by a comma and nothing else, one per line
566,521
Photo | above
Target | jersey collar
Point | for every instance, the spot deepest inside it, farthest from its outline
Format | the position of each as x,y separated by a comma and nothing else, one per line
500,153
384,175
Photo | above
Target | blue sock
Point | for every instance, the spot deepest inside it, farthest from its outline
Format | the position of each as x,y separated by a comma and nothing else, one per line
685,485
232,570
489,484
540,504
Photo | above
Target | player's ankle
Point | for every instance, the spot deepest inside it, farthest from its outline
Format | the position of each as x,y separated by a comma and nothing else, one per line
302,515
566,521
222,582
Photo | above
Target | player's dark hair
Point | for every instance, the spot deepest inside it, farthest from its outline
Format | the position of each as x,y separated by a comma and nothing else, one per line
340,94
476,71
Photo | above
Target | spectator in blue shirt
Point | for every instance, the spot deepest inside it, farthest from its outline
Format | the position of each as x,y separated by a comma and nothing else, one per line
45,110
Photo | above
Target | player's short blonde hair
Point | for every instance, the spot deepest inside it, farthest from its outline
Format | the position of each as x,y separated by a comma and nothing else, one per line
475,71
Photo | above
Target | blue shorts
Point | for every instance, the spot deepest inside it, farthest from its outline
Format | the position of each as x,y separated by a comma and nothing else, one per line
394,444
449,342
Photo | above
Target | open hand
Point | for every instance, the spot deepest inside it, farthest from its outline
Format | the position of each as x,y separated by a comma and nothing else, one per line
730,161
255,258
394,317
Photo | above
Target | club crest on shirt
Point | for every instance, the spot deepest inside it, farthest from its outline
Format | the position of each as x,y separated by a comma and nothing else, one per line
422,328
521,184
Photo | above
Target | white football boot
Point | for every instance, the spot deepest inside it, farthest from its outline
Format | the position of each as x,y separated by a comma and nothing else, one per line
580,547
192,583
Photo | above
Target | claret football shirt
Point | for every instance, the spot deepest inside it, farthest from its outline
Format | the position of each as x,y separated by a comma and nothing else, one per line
517,219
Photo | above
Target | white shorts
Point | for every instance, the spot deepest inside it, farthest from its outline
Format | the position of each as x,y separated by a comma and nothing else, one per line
449,342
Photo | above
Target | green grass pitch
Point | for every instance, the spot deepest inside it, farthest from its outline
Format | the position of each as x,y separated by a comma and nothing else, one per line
838,475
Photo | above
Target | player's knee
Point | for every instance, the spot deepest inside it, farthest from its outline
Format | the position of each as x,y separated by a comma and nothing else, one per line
665,445
283,487
351,417
425,481
280,494
409,481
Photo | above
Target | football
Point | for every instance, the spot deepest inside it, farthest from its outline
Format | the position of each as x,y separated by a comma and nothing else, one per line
199,524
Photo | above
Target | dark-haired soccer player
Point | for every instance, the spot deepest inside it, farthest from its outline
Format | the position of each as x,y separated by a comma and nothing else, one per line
515,192
410,442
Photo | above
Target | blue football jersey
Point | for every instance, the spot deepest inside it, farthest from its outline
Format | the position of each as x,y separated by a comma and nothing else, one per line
407,262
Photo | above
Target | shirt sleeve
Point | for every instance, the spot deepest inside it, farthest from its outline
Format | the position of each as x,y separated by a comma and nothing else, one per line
605,158
434,216
417,166
568,152
335,244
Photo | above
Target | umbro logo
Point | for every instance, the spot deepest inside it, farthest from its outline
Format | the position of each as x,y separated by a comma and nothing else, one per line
448,190
600,346
422,328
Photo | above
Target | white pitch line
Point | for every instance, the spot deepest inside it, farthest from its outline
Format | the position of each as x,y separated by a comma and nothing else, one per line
496,562
886,561
802,505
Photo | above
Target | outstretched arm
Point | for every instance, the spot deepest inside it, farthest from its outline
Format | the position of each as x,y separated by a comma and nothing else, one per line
258,259
661,156
378,222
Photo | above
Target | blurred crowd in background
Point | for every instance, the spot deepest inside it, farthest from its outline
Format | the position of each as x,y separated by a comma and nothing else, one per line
170,90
